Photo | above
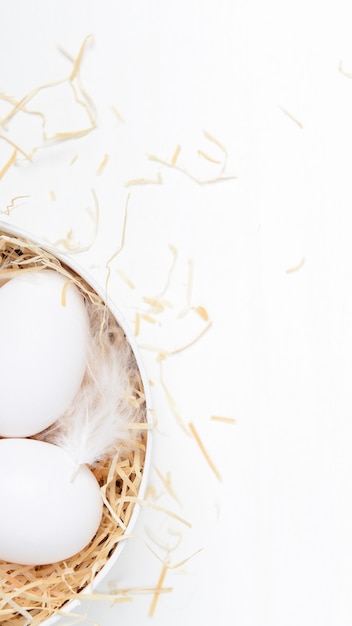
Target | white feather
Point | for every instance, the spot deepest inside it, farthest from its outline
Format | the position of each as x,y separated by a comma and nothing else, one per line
97,422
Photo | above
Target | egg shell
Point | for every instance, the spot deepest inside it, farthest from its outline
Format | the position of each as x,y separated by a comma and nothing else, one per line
44,343
49,511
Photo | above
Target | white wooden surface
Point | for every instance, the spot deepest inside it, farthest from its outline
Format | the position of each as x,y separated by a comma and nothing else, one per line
265,80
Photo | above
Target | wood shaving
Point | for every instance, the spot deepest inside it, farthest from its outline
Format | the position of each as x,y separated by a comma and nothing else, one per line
170,400
145,181
120,246
118,115
126,279
148,318
12,205
8,164
79,94
208,158
103,164
289,115
225,420
199,181
343,72
169,274
166,480
193,341
221,147
202,312
157,305
296,268
158,589
175,155
203,450
68,243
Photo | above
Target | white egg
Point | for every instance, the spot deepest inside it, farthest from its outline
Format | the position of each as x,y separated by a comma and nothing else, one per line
43,343
47,515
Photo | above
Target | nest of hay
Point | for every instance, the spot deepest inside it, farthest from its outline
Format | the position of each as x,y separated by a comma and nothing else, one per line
31,594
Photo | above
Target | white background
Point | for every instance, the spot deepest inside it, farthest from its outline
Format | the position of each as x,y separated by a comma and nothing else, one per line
265,80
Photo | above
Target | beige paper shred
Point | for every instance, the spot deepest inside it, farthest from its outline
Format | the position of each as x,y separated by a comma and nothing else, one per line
202,312
225,420
175,155
118,115
145,181
203,450
126,279
166,480
185,172
103,165
8,164
158,590
12,204
81,97
208,158
296,268
291,117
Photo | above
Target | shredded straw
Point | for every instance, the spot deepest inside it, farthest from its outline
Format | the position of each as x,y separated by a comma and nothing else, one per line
21,105
102,165
297,267
203,450
30,594
225,420
158,590
292,117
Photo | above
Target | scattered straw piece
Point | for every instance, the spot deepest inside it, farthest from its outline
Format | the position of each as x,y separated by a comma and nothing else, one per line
175,155
8,164
166,480
79,94
11,205
294,119
74,159
217,143
64,291
208,158
193,341
103,164
295,268
343,72
161,509
170,400
18,148
169,275
120,246
126,279
203,450
118,114
156,304
202,312
158,590
199,181
52,195
145,181
148,318
225,420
